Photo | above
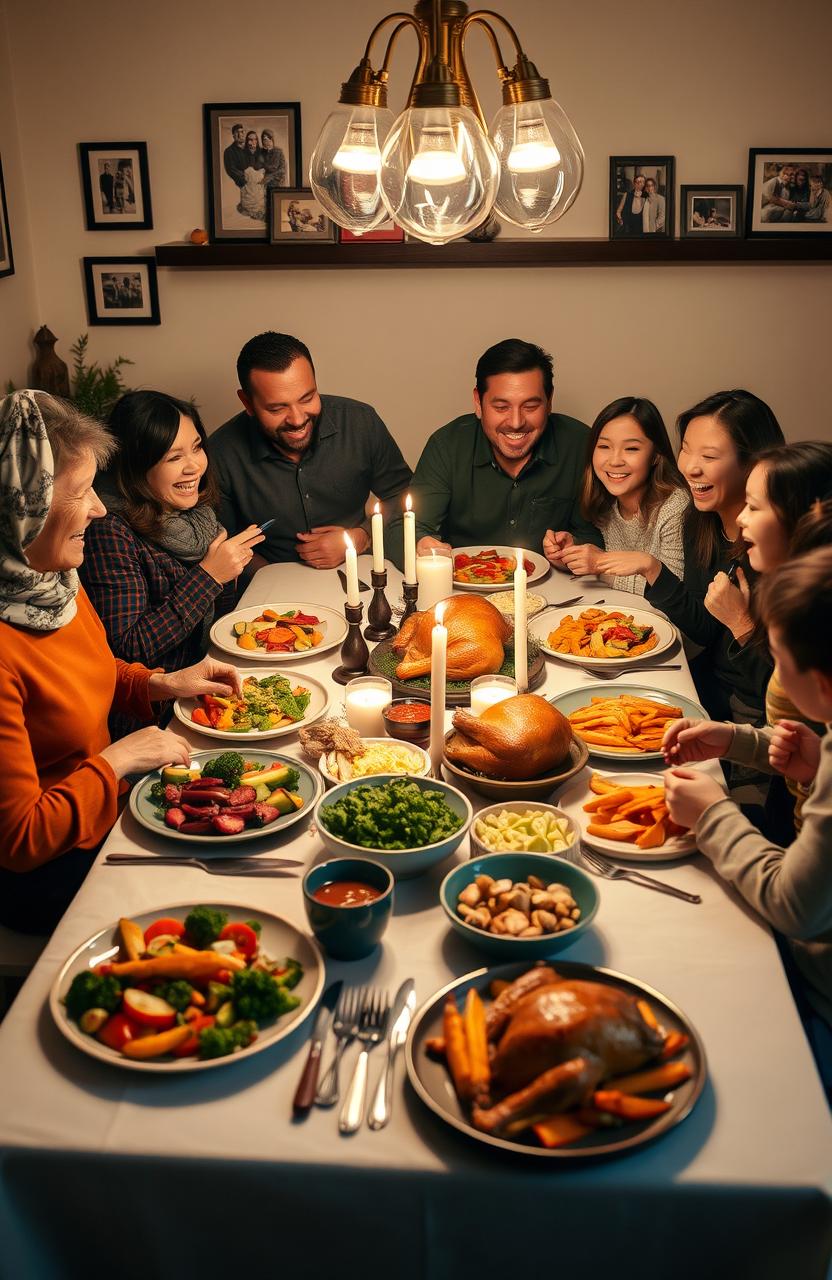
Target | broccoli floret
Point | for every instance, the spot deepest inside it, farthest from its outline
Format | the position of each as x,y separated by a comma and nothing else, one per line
177,993
203,925
218,993
292,780
256,926
290,974
257,995
216,1042
89,990
230,766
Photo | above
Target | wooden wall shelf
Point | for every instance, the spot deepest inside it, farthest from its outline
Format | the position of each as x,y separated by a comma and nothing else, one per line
500,253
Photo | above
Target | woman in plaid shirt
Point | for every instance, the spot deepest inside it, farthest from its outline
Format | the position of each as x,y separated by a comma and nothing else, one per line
157,563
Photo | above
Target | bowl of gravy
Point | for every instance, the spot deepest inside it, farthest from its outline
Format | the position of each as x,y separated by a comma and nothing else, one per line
348,904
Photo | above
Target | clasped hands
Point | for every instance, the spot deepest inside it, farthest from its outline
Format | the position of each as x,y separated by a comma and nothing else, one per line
562,551
324,548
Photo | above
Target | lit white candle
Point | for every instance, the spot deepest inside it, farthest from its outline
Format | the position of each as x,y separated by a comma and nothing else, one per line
438,666
409,543
352,571
377,526
486,690
365,699
435,575
521,660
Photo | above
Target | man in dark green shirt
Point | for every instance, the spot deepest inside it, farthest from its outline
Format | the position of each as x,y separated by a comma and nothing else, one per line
506,474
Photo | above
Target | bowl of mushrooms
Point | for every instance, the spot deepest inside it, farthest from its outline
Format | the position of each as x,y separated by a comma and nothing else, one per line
519,905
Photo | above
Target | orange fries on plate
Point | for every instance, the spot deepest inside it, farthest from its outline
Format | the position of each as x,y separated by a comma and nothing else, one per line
634,814
626,723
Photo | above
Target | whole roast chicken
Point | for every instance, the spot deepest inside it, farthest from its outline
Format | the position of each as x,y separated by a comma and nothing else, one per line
477,632
518,738
556,1040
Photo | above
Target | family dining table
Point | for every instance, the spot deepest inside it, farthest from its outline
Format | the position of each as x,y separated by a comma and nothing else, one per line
207,1174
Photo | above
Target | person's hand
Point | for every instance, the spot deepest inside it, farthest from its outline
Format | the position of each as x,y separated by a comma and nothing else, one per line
226,557
207,676
554,544
582,557
729,603
689,793
625,563
794,751
425,545
688,740
324,547
145,750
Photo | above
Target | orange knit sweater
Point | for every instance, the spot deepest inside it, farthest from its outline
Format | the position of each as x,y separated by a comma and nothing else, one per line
56,691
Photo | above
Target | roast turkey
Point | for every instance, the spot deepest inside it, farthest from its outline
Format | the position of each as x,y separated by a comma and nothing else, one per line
518,738
477,632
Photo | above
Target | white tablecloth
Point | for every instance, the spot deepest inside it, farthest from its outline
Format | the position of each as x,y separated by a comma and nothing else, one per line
152,1176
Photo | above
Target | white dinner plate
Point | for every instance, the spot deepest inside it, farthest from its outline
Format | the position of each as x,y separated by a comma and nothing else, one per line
279,938
183,709
333,626
576,699
541,568
310,788
572,802
545,623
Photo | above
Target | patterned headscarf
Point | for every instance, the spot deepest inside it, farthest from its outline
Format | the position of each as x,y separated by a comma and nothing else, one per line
42,601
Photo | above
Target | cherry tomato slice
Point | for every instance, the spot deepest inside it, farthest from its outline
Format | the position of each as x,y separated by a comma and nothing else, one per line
243,937
117,1030
191,1046
166,925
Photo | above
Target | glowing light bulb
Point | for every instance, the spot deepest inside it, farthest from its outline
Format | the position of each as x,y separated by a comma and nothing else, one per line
541,163
344,168
436,161
359,152
534,149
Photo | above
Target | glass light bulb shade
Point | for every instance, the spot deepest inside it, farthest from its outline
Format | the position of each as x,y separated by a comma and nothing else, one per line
438,173
541,163
344,168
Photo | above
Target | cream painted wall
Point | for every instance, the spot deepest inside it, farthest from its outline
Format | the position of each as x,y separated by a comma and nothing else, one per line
18,296
701,82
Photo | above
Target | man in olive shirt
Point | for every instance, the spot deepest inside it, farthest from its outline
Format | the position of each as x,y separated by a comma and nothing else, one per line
506,474
305,461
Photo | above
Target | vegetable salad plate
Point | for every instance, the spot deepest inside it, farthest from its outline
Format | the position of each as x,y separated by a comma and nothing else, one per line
279,939
622,638
274,703
432,1081
486,569
578,700
292,796
245,632
572,802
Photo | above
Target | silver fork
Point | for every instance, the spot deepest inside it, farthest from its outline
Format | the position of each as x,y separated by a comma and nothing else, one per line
603,673
214,866
345,1025
371,1031
609,871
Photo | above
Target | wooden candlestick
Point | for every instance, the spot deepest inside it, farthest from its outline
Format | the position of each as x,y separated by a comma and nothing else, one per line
354,652
379,614
410,591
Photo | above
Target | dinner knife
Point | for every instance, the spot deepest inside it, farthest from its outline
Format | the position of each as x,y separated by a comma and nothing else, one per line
401,1016
342,577
308,1083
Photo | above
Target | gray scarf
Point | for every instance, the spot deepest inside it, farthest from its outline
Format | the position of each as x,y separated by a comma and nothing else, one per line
42,601
185,535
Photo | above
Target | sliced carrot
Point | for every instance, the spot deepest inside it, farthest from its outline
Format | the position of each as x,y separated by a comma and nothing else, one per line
674,1042
615,830
647,1014
652,837
559,1131
667,1076
627,1106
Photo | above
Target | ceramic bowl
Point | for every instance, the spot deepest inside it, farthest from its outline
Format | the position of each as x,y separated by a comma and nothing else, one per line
403,730
404,863
481,850
348,933
514,867
528,789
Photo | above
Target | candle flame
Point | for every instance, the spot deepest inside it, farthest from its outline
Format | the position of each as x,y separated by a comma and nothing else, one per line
408,503
348,540
377,510
439,612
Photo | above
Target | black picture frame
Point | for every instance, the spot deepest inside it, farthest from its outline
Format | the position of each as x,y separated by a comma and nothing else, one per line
725,199
123,203
312,226
136,300
763,164
6,255
621,181
236,213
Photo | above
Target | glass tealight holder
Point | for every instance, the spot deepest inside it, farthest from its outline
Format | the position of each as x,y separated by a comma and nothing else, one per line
365,698
486,690
435,576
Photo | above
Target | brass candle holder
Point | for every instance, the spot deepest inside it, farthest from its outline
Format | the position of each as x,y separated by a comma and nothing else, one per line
354,652
410,591
379,613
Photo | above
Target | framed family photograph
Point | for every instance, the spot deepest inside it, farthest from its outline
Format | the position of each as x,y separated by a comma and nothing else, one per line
6,257
116,181
251,150
641,196
711,211
297,216
789,191
121,291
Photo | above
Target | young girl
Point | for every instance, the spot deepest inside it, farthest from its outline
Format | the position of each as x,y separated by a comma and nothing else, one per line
632,492
792,887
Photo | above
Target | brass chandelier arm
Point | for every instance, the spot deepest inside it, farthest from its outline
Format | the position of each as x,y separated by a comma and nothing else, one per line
481,18
404,20
383,71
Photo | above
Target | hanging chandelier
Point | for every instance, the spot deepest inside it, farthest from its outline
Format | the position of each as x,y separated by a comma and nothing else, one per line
436,170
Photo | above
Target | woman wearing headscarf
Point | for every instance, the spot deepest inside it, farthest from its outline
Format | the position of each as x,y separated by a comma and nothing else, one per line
62,776
156,564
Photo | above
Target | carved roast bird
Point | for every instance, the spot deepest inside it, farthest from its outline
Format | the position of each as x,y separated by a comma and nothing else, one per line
477,632
517,739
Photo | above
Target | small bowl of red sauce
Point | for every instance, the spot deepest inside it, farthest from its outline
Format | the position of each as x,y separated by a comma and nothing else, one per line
407,719
348,905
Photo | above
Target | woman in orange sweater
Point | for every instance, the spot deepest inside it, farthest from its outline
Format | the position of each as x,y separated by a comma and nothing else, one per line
61,775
